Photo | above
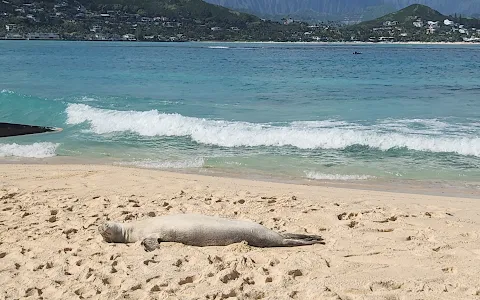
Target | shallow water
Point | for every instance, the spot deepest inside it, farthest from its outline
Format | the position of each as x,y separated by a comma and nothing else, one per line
283,110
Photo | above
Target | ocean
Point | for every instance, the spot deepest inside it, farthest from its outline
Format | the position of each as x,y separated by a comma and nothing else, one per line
280,111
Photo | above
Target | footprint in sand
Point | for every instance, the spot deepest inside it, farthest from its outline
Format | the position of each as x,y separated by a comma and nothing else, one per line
352,224
157,288
221,295
270,200
295,273
180,262
444,247
389,285
150,261
8,195
254,294
186,280
228,275
112,281
33,292
451,270
69,232
390,219
347,216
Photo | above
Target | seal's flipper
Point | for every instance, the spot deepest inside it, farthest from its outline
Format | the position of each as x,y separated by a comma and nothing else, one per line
292,239
9,129
151,243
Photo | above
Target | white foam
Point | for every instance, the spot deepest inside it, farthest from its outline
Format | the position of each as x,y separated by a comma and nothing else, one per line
36,150
302,135
324,124
218,47
87,99
6,92
178,164
322,176
418,126
435,123
233,163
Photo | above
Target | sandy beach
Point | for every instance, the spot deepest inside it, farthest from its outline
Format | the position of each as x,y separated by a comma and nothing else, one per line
379,245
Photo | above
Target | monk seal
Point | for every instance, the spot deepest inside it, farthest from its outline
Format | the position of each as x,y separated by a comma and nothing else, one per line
200,230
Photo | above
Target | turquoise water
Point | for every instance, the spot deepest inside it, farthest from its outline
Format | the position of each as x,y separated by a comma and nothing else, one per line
281,110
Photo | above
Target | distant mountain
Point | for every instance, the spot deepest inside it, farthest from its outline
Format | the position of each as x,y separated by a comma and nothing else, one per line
338,9
192,9
405,17
415,23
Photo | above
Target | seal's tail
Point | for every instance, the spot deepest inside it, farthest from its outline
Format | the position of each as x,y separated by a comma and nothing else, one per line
292,239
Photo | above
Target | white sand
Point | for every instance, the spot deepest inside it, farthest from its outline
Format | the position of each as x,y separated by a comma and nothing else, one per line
379,245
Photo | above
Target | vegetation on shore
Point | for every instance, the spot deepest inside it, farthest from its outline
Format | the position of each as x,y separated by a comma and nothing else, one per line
196,20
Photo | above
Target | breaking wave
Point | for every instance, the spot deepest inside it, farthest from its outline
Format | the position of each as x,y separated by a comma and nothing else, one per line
36,150
328,134
218,47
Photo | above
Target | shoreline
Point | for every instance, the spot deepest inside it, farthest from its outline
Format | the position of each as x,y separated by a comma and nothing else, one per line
378,245
429,187
352,43
267,42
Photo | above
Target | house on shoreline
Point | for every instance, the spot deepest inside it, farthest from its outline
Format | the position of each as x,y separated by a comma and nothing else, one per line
42,36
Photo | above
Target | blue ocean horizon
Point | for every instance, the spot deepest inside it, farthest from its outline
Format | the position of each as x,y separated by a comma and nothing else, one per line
306,111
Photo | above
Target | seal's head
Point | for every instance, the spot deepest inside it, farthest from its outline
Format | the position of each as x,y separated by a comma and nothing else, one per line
112,232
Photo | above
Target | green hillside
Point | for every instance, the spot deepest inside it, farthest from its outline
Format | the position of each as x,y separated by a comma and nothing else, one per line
162,20
177,9
415,23
196,20
407,16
